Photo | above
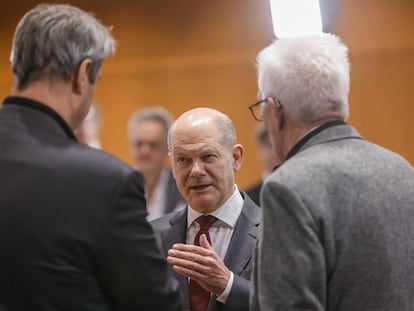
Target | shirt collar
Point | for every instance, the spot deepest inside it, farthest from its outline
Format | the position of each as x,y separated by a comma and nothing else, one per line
314,131
33,104
228,213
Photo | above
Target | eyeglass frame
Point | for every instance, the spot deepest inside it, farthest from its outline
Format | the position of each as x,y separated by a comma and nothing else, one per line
252,106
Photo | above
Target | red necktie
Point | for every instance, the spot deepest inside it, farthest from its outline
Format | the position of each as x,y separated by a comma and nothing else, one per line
199,296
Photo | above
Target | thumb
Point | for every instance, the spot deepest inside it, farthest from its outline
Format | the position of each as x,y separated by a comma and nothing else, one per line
204,242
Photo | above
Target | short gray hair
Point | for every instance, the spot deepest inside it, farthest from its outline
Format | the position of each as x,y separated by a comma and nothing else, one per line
309,75
156,113
51,41
227,131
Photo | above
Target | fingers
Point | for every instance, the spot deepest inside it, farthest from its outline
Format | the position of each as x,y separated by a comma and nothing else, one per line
200,263
204,242
190,264
192,270
204,249
190,256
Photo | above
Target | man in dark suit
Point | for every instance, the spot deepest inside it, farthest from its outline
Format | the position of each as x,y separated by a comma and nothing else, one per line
338,213
204,156
147,131
73,233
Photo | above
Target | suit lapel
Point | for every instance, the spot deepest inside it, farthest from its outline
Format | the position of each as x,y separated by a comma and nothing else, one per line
176,233
243,241
238,254
244,238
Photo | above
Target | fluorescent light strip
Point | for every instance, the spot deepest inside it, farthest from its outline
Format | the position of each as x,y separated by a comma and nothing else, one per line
292,18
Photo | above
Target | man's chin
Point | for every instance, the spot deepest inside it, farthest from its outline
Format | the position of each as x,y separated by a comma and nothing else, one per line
203,202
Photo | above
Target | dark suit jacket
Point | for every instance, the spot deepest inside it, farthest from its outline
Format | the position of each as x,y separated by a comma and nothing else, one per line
254,192
172,228
73,233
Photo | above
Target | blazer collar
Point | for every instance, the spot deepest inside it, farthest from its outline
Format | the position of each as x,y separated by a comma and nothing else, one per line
176,233
46,110
330,131
298,146
244,238
239,253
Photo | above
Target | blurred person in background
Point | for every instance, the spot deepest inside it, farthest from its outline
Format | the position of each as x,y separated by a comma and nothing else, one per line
338,212
147,131
268,158
88,131
73,232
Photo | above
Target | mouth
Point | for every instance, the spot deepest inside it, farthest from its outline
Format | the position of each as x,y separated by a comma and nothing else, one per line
199,187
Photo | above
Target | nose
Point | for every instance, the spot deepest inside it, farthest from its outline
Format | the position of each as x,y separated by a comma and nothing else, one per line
197,169
143,148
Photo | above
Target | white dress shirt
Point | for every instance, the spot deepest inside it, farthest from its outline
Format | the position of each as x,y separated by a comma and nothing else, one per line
221,231
155,206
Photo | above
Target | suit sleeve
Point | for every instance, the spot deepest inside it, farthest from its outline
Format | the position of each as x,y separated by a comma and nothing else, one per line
289,272
132,269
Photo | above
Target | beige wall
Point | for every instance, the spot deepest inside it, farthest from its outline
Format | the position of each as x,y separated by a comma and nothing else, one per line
186,53
380,35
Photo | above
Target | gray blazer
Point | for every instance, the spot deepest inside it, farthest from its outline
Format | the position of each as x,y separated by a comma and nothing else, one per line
172,228
338,229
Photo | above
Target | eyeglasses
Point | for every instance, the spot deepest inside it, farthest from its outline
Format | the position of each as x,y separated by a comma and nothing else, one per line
256,108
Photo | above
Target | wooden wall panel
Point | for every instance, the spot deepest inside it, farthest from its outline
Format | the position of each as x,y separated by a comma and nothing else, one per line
380,36
185,53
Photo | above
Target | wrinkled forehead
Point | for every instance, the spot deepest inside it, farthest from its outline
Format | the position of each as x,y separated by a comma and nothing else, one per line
195,133
196,150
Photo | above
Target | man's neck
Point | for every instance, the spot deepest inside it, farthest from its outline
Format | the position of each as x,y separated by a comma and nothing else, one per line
151,181
56,96
292,136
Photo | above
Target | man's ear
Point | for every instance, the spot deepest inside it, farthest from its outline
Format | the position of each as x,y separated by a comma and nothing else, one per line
237,157
81,77
277,113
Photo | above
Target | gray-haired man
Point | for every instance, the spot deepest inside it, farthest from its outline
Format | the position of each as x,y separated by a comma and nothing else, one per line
73,233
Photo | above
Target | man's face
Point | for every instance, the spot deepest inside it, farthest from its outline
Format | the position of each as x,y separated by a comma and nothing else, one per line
203,166
149,146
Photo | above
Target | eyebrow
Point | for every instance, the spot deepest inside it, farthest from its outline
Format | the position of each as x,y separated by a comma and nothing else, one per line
182,151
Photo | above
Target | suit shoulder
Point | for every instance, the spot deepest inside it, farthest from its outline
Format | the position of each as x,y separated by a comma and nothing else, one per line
165,222
95,159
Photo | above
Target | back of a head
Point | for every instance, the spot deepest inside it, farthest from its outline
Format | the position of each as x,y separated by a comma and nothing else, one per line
50,42
308,75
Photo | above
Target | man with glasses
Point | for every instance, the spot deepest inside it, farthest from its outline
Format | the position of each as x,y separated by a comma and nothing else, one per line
338,213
